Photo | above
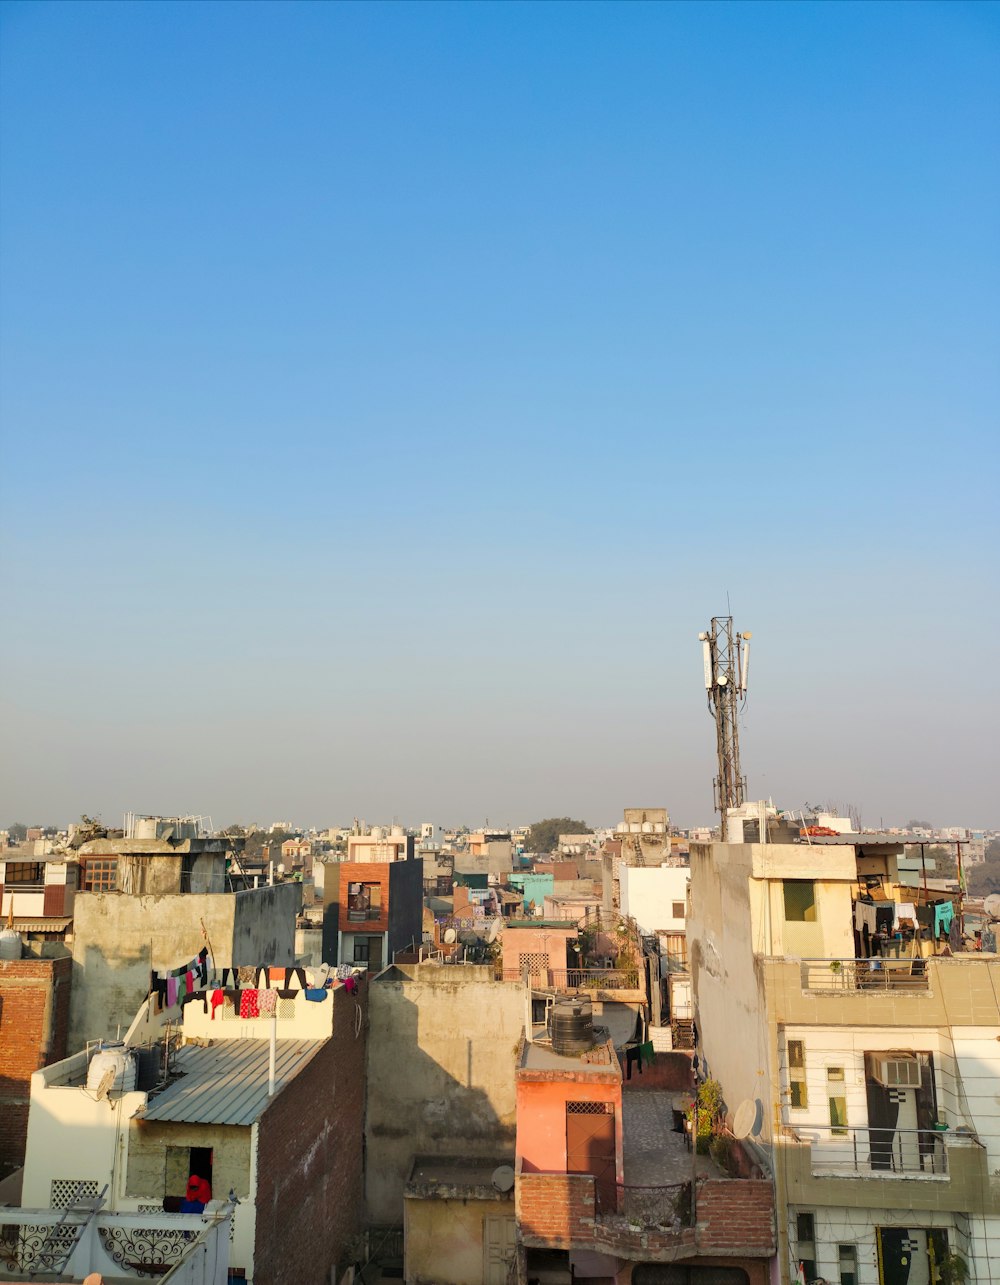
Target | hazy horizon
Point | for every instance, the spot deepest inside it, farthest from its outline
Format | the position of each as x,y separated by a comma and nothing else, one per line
391,393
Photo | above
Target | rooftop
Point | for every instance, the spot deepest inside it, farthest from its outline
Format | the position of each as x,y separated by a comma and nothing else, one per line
538,1057
225,1082
655,1151
457,1176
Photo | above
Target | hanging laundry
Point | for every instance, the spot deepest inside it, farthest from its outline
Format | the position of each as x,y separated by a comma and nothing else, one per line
317,995
268,1002
189,982
171,991
885,916
905,910
247,976
864,913
218,997
944,913
249,1003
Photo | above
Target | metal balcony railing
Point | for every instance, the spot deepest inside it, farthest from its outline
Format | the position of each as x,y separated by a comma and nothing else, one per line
878,974
872,1152
595,979
663,1208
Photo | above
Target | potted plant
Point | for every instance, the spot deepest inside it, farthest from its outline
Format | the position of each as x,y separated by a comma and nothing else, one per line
953,1270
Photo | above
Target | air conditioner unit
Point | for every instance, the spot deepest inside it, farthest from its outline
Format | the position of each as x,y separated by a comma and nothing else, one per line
898,1072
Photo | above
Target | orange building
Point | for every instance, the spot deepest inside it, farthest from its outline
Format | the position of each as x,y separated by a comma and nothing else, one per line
606,1191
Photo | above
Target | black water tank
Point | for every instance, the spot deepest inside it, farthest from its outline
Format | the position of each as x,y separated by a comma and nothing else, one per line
571,1025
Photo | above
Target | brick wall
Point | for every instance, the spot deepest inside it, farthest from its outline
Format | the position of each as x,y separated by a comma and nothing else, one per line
555,1210
309,1160
670,1071
34,1019
735,1221
736,1215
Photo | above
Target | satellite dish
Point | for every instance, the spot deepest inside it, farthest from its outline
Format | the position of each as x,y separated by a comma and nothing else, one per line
450,936
992,905
747,1119
494,929
503,1178
104,1088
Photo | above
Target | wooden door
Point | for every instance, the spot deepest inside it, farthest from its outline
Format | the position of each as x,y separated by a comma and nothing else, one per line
498,1249
590,1148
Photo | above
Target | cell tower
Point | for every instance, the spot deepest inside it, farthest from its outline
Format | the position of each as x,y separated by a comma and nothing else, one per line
727,660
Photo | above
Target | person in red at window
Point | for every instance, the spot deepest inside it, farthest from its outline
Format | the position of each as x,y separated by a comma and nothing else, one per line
197,1196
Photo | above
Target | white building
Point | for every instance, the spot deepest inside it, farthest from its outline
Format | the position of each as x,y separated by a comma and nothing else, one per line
869,1072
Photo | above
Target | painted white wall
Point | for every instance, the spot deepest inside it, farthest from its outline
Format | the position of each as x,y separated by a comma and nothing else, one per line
648,894
72,1135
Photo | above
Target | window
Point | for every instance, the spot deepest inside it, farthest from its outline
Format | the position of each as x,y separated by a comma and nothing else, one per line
800,901
100,874
838,1100
797,1075
805,1244
364,902
679,909
848,1256
361,950
25,874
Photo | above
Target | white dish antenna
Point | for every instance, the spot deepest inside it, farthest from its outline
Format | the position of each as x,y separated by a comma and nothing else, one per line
104,1088
450,936
992,905
494,929
747,1120
503,1178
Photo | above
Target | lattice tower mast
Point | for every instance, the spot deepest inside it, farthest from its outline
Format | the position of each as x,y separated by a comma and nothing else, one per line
727,660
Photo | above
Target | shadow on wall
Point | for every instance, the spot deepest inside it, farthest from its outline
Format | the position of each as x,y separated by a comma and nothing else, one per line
434,1089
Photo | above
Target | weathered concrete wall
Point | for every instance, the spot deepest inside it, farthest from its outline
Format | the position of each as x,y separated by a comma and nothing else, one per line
150,1175
445,1239
440,1073
119,939
264,925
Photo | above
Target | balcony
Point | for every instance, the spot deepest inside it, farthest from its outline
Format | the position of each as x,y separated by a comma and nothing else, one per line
912,1170
671,1205
878,974
186,1249
876,1152
594,980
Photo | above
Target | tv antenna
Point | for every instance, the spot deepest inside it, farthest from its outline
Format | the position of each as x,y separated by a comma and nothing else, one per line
727,660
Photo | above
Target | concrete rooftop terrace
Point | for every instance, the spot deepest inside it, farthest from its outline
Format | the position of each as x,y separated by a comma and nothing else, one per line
539,1057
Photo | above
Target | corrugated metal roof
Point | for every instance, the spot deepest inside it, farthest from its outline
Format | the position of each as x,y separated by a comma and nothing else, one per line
226,1082
51,924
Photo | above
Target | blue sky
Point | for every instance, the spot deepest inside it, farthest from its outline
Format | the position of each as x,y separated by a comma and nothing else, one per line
392,392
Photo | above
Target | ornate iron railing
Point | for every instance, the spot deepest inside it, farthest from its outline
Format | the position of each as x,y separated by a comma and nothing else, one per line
662,1208
35,1248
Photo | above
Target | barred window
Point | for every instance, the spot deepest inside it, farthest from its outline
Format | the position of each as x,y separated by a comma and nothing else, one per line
590,1108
